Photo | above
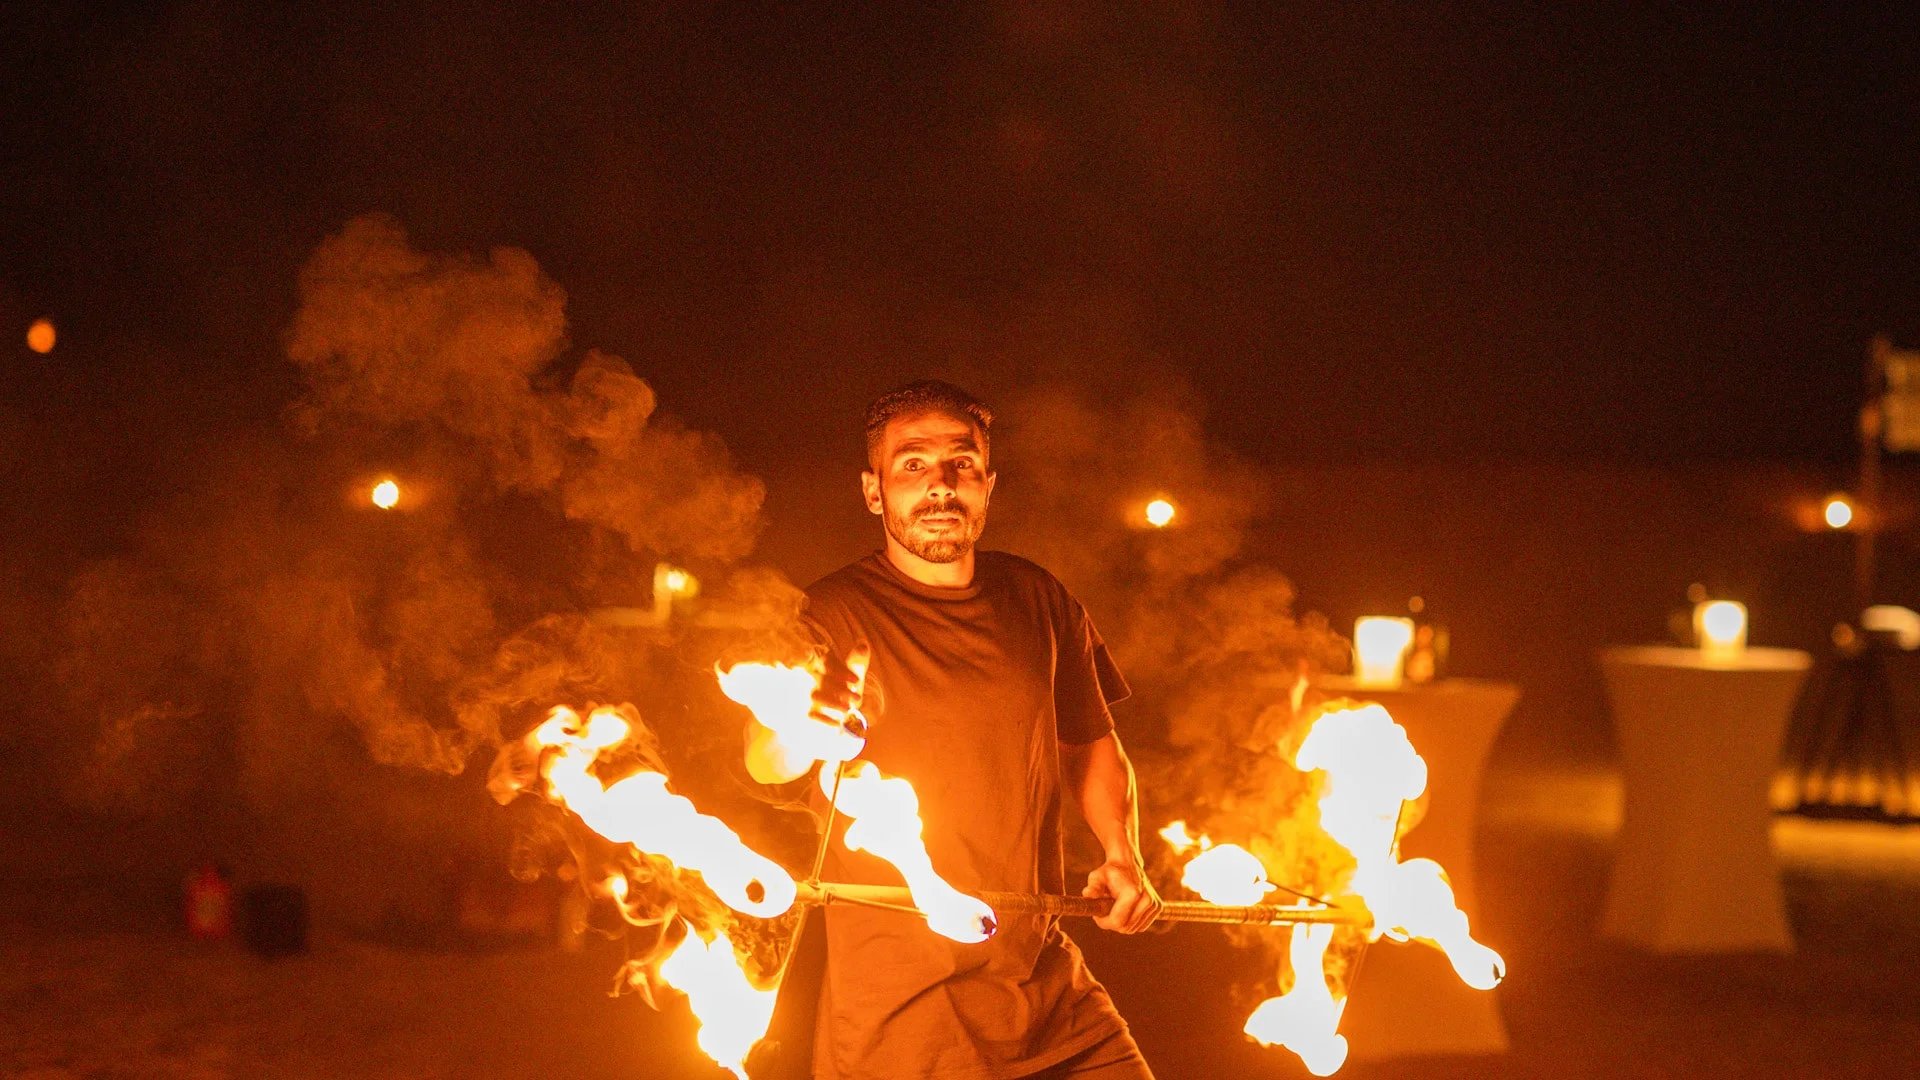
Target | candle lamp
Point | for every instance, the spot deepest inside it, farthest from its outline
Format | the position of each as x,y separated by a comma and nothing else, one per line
1720,628
1380,646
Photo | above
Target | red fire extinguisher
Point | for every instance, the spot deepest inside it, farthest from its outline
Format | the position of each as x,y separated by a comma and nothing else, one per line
209,905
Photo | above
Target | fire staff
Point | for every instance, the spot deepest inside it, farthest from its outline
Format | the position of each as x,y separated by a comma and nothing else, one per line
983,681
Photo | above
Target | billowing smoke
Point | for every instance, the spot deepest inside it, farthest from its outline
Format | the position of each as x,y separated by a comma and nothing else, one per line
398,339
1204,629
271,630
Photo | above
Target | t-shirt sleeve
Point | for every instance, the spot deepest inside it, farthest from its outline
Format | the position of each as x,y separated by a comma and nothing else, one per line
1085,680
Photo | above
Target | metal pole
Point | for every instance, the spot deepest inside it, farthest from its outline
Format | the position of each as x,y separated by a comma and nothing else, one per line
898,898
1872,425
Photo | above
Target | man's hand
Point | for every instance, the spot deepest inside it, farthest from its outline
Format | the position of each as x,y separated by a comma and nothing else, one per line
1135,904
842,687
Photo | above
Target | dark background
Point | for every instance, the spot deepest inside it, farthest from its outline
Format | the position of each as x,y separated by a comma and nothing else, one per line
1542,315
1616,236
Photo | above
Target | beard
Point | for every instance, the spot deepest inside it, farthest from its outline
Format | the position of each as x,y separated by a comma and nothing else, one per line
936,544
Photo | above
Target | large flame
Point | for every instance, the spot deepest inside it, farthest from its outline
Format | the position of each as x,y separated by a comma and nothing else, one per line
639,810
1305,1018
884,811
1372,770
885,821
733,1012
1226,874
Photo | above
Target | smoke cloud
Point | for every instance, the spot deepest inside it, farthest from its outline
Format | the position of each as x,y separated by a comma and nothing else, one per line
269,632
1205,630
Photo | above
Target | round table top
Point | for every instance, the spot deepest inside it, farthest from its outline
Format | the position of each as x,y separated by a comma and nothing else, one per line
1752,658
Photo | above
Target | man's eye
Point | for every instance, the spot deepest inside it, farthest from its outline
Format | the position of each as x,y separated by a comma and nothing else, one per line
912,466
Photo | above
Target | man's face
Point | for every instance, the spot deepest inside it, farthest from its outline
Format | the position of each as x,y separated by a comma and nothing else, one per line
931,485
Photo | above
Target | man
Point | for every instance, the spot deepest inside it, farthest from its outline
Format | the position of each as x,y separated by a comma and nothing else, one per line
984,683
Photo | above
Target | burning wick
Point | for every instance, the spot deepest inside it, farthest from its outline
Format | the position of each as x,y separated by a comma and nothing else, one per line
1159,513
1838,512
40,336
386,494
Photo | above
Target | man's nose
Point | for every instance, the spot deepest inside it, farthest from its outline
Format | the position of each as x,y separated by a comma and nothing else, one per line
945,479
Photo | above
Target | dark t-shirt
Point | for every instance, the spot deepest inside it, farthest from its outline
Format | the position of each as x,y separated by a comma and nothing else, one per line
970,693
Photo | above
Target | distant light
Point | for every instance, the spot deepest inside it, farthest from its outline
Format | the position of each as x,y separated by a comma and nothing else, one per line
1721,626
677,580
1838,512
386,494
1159,513
40,336
1380,646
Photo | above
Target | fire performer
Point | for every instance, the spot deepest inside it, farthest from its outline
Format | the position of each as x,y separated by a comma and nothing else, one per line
982,681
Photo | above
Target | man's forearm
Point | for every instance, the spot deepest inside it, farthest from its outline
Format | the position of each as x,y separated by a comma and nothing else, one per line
1102,780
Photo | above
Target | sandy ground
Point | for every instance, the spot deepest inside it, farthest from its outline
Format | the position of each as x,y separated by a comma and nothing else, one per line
91,993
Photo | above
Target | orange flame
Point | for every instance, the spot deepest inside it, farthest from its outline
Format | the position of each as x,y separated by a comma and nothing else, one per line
1372,770
639,810
733,1012
884,811
1304,1018
1227,874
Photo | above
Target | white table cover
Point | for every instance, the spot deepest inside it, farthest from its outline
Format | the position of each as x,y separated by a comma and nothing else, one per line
1694,868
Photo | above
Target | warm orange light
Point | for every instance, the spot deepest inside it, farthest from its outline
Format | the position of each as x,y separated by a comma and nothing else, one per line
40,336
1372,771
1721,627
1160,513
1227,874
386,494
1306,1018
883,811
1838,512
1380,646
733,1012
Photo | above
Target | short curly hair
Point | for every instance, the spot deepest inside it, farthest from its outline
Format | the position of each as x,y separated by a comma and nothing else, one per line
925,396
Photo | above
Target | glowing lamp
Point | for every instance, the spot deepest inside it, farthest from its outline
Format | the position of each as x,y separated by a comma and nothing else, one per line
386,494
679,582
1380,646
1838,512
1720,626
40,336
1160,513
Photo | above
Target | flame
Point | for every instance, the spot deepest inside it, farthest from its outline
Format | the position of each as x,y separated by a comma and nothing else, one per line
884,812
885,815
1227,874
1372,769
1305,1018
639,810
1176,833
781,698
733,1013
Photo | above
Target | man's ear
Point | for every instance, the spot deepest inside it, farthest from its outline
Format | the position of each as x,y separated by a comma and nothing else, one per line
870,489
991,477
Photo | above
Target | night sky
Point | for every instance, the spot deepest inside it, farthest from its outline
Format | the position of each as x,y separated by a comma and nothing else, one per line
1600,232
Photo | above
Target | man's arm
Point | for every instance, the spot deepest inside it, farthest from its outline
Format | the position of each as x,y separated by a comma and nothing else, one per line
1100,778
